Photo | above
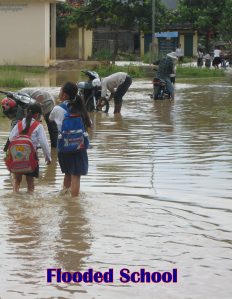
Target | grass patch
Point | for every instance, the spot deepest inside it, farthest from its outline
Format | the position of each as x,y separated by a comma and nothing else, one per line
103,54
133,71
187,72
14,76
12,82
22,69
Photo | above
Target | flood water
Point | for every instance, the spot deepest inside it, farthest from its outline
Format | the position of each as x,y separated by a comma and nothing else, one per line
158,196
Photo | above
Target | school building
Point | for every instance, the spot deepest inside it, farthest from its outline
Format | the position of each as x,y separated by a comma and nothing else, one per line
28,32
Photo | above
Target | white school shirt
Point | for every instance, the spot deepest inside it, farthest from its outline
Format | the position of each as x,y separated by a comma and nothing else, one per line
38,137
111,82
216,53
179,52
57,115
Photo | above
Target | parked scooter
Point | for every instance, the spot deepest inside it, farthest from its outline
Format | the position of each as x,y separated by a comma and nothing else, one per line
15,102
90,91
14,107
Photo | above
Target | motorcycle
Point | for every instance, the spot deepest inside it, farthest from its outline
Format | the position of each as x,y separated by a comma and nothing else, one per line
160,91
90,91
15,103
14,107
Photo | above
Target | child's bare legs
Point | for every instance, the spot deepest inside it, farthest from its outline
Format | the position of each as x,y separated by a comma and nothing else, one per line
16,182
30,184
67,181
72,181
75,185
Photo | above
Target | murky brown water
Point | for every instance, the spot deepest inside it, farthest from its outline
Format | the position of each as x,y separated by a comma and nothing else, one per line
158,196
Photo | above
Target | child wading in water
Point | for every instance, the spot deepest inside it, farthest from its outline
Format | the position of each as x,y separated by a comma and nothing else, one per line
74,164
38,137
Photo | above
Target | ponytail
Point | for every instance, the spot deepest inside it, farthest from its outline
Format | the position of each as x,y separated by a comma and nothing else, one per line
31,111
76,103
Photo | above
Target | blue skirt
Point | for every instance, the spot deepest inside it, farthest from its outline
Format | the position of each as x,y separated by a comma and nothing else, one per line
75,163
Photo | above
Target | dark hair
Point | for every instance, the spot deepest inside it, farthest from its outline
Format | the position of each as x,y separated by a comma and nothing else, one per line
70,89
31,110
76,103
78,106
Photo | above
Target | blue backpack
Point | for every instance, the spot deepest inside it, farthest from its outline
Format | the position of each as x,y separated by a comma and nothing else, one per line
73,136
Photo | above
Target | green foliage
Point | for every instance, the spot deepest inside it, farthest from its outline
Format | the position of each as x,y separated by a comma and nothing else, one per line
14,68
133,71
147,57
14,77
186,72
204,15
64,19
225,25
117,14
13,82
103,54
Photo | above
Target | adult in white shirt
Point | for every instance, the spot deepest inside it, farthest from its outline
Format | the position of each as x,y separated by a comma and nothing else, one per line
117,84
179,54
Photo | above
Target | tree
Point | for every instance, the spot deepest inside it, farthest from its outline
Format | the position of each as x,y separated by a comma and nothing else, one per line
225,26
114,14
204,15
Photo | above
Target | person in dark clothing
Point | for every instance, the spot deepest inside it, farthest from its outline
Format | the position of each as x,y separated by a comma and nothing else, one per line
166,68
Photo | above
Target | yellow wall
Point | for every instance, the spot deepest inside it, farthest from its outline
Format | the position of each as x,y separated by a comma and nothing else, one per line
181,41
25,33
78,45
195,43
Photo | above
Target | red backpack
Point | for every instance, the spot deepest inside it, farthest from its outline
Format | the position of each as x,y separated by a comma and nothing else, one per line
21,155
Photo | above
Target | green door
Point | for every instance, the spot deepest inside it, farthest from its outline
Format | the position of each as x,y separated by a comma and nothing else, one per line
188,45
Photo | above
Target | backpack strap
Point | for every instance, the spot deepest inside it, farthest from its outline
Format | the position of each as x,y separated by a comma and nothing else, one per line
64,106
31,129
20,126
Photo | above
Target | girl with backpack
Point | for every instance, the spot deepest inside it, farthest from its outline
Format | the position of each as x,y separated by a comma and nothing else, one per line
73,164
25,138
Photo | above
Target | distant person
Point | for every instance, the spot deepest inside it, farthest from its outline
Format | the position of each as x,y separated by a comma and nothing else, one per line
216,57
173,75
73,164
180,54
200,55
223,60
117,84
47,102
38,138
166,68
207,58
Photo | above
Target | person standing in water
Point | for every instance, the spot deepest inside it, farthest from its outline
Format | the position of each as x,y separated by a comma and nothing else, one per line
117,84
38,138
75,164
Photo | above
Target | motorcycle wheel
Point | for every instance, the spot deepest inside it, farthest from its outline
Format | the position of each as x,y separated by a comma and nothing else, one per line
90,105
157,93
104,106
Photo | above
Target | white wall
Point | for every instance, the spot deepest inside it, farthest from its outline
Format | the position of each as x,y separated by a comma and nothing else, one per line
25,33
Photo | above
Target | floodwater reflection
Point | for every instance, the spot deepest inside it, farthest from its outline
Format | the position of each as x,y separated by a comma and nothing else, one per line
157,196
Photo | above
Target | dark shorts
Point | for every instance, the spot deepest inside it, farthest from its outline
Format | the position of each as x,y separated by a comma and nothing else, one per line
216,61
74,164
122,89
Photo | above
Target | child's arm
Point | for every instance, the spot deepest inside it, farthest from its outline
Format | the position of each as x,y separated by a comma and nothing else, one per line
44,143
